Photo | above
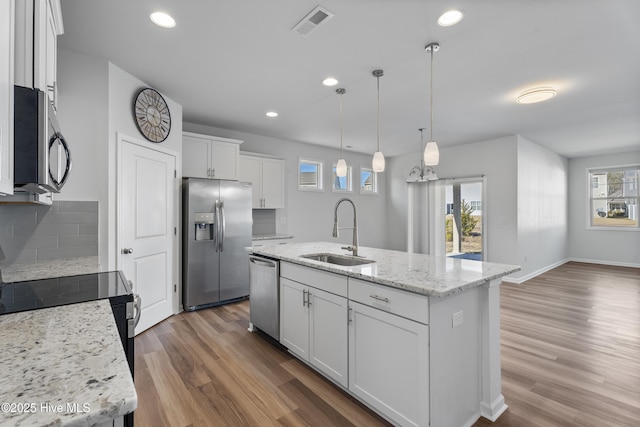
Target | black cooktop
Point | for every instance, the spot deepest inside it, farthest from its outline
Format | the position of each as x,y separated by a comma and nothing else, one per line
43,293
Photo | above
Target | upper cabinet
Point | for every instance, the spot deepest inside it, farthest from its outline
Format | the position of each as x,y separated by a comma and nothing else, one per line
210,157
266,174
38,25
6,95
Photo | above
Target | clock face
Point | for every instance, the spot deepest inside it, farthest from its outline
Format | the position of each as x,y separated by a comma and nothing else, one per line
152,115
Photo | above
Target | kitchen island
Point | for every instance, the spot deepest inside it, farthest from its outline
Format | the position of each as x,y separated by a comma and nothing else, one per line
64,366
414,337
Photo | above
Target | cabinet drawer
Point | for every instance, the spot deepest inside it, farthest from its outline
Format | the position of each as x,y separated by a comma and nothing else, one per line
330,282
402,303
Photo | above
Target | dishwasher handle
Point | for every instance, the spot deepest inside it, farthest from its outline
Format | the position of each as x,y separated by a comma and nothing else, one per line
262,262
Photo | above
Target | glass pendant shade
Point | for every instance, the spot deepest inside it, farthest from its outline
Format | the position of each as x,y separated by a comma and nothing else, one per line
341,168
378,162
431,154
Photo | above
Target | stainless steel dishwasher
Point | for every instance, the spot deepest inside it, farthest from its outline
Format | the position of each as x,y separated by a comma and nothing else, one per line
264,295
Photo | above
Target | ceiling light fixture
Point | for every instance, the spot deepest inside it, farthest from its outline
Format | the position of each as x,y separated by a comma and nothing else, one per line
330,81
378,158
450,17
538,94
421,173
341,167
431,151
162,19
271,114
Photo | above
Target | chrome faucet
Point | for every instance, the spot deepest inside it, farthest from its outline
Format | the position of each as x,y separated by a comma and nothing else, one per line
354,246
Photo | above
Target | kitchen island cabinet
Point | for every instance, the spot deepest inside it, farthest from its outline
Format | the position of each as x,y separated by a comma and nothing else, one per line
423,331
64,366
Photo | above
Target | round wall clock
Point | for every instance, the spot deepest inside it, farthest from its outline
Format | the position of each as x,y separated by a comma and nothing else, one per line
152,115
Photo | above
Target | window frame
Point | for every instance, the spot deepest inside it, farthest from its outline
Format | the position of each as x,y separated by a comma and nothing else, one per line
592,182
375,191
349,179
320,174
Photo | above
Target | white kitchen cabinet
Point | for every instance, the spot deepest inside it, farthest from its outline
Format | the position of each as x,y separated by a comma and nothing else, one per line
266,175
389,364
6,95
38,25
314,321
210,157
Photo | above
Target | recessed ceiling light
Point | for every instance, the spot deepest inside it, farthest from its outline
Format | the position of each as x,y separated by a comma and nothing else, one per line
330,81
450,17
163,20
538,94
271,114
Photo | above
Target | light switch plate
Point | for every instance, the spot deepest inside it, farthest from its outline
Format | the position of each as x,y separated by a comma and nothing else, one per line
458,318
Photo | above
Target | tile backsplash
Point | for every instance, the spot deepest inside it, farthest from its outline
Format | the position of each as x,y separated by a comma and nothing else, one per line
264,222
36,233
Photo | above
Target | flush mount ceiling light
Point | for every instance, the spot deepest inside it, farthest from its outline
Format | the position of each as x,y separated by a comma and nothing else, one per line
538,94
330,81
378,158
163,20
450,17
341,167
271,114
431,151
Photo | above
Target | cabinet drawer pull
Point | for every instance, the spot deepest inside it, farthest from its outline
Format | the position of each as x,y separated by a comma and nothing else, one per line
379,298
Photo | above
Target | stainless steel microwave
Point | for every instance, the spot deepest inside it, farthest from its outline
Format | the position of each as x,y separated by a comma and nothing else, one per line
42,160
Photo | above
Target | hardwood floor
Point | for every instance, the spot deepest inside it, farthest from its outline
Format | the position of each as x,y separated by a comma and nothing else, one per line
570,357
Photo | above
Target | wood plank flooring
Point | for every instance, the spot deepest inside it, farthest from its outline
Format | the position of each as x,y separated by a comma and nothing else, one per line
570,357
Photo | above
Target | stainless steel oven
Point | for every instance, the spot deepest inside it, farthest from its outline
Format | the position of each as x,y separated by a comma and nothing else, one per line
42,160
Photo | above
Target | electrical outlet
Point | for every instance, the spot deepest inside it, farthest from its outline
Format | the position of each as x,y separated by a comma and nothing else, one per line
458,318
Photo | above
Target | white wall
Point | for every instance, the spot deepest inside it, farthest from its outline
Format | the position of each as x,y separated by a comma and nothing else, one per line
542,209
497,161
616,247
83,111
96,101
309,215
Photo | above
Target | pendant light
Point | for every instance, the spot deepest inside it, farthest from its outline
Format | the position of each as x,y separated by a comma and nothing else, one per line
378,158
421,172
341,166
431,152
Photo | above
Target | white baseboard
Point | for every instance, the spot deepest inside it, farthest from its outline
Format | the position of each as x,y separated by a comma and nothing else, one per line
519,280
613,263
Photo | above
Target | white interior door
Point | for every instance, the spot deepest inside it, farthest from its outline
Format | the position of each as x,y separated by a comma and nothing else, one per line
145,227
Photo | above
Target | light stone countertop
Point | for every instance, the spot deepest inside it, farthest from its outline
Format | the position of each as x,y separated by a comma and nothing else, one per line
60,367
418,273
260,237
50,269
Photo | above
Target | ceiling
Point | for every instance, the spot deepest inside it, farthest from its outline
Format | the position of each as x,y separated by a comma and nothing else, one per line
227,62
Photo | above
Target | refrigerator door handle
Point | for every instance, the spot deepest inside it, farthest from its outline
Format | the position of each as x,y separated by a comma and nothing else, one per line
222,227
216,232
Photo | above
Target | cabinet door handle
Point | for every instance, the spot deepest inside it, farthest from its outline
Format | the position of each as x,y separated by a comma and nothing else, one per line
304,297
379,298
349,315
308,298
209,172
213,172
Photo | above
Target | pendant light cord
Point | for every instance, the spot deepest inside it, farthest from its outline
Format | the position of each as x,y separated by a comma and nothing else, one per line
431,98
420,151
378,114
341,153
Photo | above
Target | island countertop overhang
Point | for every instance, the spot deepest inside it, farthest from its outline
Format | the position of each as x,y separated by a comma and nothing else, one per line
418,273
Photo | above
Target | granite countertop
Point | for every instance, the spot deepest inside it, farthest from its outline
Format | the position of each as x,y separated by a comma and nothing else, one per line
418,273
275,236
63,366
50,269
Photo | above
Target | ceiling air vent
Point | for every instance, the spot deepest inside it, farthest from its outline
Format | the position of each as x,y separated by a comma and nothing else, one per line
312,21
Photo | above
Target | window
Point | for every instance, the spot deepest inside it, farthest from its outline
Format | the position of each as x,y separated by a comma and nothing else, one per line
342,183
310,175
613,197
368,181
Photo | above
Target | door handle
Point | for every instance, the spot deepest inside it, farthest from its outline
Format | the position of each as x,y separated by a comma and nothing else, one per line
127,251
222,226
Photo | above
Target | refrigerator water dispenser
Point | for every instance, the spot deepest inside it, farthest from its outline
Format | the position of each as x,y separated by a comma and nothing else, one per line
203,222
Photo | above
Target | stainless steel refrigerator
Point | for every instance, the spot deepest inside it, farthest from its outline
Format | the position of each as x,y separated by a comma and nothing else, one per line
216,218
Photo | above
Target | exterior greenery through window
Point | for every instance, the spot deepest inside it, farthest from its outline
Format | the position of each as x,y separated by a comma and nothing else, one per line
310,175
368,181
613,197
342,183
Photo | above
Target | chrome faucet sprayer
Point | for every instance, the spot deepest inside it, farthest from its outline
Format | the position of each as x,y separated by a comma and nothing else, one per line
354,246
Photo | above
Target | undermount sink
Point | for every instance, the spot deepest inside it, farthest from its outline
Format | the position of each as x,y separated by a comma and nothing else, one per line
338,259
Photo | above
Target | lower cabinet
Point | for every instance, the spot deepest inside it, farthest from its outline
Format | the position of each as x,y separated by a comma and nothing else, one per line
389,364
314,327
